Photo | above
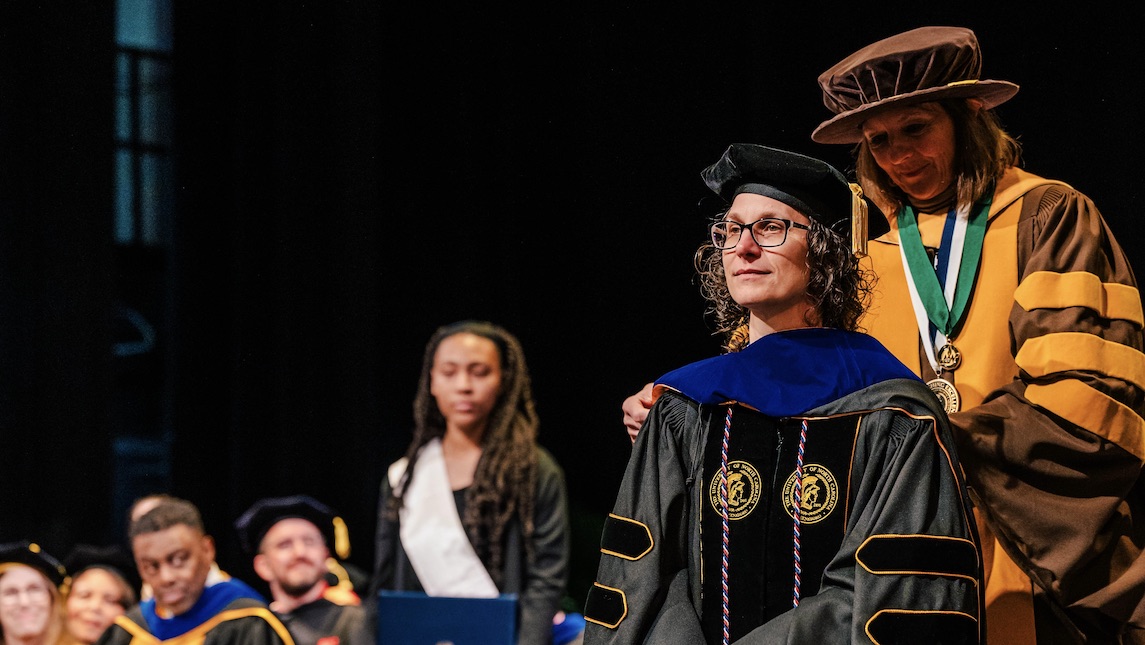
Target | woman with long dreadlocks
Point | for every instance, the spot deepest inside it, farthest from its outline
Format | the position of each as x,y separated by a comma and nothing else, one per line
476,507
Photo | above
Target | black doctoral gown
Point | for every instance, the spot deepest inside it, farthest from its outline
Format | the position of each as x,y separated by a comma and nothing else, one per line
847,518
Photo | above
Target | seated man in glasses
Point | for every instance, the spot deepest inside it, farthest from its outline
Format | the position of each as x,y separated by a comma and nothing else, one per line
802,487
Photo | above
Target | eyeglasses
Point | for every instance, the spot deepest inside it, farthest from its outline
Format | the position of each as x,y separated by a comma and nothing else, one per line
34,593
768,231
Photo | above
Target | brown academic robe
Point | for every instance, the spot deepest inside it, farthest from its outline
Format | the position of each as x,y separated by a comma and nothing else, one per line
1050,430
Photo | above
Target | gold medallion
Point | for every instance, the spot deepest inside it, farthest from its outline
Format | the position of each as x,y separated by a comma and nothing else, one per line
949,357
946,393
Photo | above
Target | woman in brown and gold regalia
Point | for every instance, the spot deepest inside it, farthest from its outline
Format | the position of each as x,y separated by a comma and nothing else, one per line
1010,294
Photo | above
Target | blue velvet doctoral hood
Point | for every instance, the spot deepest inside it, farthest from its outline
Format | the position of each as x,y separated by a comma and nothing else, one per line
790,372
215,599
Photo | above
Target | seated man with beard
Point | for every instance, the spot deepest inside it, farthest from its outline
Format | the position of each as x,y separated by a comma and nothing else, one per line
290,539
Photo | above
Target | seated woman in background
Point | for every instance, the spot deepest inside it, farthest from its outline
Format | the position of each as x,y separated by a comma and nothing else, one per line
103,586
30,605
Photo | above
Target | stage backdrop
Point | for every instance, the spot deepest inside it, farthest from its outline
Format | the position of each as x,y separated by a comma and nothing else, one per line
350,175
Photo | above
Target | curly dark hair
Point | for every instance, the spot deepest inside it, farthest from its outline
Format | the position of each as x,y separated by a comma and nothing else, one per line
984,150
505,482
839,288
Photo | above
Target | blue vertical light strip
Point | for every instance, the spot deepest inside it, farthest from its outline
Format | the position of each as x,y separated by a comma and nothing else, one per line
142,194
144,24
142,443
124,197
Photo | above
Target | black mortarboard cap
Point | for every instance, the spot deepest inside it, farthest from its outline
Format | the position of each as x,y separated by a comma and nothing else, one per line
811,186
112,557
30,554
265,513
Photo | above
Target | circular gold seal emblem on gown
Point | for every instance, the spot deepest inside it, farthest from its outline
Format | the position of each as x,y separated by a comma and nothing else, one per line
819,494
946,394
744,484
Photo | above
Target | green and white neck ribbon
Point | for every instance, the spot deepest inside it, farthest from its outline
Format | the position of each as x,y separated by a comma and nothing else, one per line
934,304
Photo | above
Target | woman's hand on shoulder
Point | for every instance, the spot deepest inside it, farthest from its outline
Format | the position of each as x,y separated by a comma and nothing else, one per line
636,409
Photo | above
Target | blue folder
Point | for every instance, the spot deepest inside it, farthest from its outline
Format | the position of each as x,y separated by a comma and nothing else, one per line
414,618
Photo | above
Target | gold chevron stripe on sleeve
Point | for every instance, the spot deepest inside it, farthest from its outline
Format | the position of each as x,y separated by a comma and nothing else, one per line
138,633
1081,351
1049,290
1084,406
